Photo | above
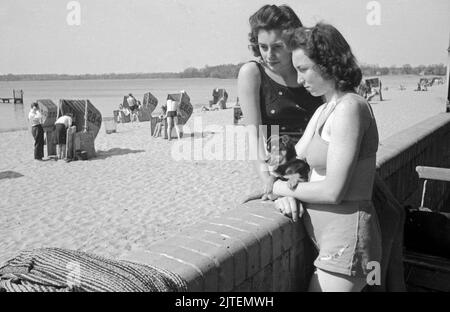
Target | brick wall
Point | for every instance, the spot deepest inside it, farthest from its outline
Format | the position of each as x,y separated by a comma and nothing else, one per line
250,248
255,248
424,144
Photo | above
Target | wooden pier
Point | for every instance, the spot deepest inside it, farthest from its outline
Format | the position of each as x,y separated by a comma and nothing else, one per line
16,99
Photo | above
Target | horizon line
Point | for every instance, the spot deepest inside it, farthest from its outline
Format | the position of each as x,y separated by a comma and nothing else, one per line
166,73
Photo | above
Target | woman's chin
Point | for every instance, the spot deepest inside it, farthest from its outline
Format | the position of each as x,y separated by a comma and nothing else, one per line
314,93
273,67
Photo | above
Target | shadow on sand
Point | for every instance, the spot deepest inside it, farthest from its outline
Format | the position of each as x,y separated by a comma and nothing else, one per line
115,152
10,175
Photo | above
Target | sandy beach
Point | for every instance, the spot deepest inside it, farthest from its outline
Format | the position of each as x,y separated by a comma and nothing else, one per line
134,193
131,194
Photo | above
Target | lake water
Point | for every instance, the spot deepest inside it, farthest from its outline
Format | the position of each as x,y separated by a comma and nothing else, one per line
106,95
400,109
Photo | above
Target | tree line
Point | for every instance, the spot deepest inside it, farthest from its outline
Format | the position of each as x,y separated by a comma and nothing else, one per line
406,69
228,71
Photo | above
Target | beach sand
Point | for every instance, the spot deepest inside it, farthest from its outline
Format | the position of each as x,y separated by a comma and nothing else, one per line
134,193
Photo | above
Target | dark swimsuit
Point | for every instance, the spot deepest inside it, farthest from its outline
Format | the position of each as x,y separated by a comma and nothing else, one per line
172,114
287,107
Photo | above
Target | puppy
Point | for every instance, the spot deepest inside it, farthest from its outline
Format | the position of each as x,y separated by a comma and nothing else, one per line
283,165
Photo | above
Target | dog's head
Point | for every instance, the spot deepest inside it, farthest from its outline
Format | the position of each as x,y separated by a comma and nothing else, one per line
281,150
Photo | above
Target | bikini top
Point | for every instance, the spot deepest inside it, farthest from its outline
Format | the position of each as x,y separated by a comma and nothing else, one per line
290,108
316,152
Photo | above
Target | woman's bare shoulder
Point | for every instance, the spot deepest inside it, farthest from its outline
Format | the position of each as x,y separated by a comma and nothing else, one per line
354,98
352,106
249,70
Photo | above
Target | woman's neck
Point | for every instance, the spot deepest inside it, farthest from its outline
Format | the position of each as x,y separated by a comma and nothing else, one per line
334,95
287,74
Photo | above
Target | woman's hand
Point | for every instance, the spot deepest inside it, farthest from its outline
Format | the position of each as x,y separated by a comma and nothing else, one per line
268,188
289,207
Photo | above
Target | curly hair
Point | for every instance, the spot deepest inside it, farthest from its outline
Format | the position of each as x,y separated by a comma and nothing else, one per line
331,53
271,17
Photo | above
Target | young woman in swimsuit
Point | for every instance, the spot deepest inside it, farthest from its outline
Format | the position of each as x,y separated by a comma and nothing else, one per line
340,145
268,90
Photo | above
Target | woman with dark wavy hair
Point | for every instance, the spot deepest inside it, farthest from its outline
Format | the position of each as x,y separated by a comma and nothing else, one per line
267,87
340,145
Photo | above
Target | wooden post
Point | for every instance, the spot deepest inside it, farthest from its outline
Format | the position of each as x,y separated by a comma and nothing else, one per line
70,146
153,122
85,115
58,109
164,129
381,96
448,79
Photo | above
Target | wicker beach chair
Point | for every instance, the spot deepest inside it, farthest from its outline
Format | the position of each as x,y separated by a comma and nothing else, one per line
134,114
64,270
374,87
220,97
149,103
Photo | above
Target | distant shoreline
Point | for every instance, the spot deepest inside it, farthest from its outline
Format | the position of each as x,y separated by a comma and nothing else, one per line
229,71
99,77
94,77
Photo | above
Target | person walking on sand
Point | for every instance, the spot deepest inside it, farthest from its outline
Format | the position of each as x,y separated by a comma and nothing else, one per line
172,119
35,119
62,124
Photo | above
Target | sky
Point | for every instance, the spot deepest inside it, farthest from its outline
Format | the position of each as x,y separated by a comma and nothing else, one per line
127,36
